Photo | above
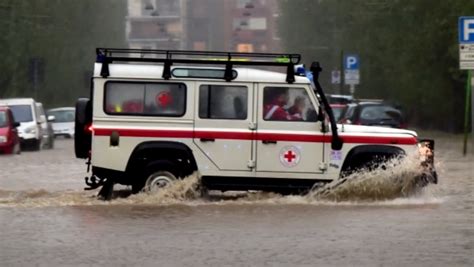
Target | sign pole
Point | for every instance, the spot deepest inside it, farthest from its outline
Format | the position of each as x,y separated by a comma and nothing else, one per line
343,81
467,109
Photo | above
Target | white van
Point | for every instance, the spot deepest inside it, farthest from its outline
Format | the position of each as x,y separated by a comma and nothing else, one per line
25,111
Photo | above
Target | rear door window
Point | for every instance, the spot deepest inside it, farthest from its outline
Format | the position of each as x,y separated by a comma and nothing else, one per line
148,99
223,102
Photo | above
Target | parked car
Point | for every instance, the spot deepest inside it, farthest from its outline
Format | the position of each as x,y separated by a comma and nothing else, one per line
338,110
9,139
340,99
26,113
63,124
373,114
46,125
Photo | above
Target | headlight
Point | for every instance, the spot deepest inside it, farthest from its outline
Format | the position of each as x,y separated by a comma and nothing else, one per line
426,150
31,129
3,139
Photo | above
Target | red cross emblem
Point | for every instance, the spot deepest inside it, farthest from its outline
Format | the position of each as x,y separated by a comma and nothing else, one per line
164,98
289,156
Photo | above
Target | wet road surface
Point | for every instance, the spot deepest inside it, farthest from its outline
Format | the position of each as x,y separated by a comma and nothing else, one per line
47,220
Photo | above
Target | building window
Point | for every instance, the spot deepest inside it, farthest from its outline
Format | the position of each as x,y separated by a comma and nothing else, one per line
148,7
149,99
223,102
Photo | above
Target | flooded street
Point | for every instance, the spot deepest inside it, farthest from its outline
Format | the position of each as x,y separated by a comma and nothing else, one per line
47,220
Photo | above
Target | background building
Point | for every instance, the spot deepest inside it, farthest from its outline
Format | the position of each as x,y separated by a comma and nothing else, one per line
156,24
231,25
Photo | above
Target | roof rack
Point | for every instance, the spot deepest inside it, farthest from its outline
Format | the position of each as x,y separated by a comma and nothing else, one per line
169,57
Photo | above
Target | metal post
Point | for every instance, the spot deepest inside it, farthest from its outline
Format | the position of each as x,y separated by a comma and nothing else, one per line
341,84
467,107
352,89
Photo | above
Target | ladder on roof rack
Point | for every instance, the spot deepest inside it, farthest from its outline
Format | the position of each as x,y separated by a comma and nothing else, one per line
168,57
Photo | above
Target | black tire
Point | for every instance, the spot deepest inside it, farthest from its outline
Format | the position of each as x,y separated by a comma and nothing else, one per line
82,138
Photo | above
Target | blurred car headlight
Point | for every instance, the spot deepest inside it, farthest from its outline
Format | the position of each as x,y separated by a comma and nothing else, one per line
3,139
31,129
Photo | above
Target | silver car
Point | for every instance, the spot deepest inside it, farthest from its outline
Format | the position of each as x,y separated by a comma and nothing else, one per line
63,124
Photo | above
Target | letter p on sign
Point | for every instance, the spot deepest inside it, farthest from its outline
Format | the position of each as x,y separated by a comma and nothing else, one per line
466,30
351,62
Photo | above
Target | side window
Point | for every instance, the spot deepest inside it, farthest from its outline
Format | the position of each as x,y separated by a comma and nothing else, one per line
223,102
287,104
152,99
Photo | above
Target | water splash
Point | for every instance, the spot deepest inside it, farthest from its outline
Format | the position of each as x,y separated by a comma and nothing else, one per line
396,178
394,183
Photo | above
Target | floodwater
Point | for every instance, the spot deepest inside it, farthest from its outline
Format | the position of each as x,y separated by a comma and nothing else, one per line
47,220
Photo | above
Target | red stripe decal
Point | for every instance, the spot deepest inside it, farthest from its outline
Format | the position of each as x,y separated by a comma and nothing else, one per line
255,136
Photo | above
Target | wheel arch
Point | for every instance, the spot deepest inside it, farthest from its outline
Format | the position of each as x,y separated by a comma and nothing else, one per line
362,155
174,152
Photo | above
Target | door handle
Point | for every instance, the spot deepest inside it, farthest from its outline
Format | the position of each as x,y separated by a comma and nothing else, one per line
266,142
207,139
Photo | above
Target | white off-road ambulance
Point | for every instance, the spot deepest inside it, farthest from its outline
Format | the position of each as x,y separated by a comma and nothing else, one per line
157,116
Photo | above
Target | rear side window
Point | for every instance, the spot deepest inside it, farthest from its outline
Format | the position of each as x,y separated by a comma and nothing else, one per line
148,99
223,102
380,113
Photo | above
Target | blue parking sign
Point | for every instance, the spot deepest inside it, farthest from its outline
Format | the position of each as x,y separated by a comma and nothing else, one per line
466,30
351,62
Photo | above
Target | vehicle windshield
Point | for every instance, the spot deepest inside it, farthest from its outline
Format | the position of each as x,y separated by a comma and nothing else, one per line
62,115
22,113
3,119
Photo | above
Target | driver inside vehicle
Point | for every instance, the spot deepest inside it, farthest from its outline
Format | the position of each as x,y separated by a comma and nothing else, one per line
275,100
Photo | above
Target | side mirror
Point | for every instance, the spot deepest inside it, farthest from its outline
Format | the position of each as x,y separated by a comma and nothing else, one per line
16,124
336,143
51,118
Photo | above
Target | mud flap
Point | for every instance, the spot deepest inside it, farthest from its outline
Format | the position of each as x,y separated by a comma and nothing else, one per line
107,190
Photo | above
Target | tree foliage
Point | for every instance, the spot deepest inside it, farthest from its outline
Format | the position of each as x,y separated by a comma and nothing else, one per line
408,50
62,35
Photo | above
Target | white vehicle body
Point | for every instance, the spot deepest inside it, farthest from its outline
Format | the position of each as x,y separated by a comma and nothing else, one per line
25,111
238,150
63,124
228,128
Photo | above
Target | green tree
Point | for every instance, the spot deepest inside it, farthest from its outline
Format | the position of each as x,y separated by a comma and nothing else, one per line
408,50
62,34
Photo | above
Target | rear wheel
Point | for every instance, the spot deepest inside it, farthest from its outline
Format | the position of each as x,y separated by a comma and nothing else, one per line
159,180
157,175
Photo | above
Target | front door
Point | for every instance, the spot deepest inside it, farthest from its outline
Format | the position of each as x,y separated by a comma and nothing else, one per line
289,137
223,127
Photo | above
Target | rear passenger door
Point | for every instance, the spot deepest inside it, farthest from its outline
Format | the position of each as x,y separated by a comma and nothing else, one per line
223,124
